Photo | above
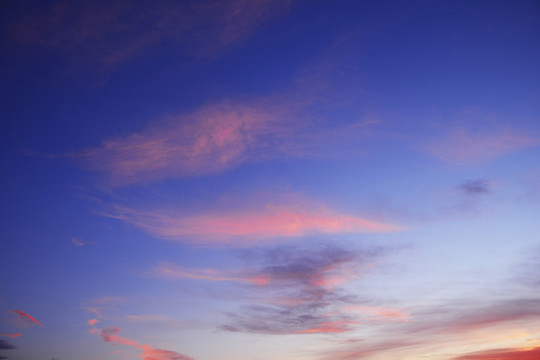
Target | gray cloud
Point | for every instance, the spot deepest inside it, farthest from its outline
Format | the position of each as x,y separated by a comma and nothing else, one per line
475,187
306,296
4,345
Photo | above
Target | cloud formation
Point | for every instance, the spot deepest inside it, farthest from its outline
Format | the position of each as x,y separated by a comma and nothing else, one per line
250,226
112,33
4,345
148,352
503,354
476,187
220,136
171,271
452,324
462,147
303,292
24,315
213,139
80,242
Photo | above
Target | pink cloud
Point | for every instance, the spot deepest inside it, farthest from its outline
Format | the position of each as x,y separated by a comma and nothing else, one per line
22,314
148,352
247,227
178,272
219,137
462,147
213,139
380,313
93,322
11,335
330,327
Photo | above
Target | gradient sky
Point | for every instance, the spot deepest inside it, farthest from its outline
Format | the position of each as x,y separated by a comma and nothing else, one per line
270,179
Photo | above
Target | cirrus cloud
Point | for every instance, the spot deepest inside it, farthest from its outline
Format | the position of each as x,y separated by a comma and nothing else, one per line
248,227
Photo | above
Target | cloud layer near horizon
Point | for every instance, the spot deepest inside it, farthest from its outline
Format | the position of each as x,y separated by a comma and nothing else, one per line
110,335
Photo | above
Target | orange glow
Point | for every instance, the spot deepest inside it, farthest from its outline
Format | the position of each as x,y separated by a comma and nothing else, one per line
92,322
25,315
504,354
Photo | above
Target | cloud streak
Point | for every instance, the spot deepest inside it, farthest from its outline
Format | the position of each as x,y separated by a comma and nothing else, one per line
110,34
503,354
110,335
171,271
24,315
251,226
213,139
445,326
462,147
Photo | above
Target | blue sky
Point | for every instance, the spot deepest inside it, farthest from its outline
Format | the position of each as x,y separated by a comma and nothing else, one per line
300,180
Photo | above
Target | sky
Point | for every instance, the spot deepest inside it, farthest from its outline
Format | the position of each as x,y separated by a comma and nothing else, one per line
270,179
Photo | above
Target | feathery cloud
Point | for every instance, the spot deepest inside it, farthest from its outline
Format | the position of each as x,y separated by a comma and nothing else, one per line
462,147
116,32
148,352
248,227
24,315
303,292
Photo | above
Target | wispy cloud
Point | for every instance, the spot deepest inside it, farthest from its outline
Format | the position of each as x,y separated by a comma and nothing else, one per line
379,313
303,293
81,242
148,352
24,315
464,147
213,139
171,271
249,226
100,307
220,136
11,335
476,187
109,34
447,326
